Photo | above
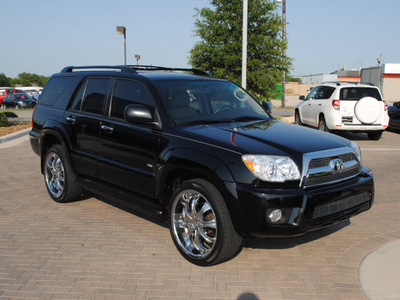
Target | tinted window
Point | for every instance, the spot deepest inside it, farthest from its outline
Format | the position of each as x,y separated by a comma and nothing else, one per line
128,92
208,101
76,104
324,92
94,95
313,93
356,93
54,89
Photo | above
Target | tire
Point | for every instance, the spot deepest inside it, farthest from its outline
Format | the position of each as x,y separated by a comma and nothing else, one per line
374,135
368,110
297,119
200,224
58,176
322,125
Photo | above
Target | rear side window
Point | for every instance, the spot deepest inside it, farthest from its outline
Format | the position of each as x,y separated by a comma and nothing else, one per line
324,92
91,95
54,89
356,93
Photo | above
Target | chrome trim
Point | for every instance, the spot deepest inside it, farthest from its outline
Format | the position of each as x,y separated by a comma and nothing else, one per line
326,170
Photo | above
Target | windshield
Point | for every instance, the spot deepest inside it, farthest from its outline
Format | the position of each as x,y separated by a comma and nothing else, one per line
208,102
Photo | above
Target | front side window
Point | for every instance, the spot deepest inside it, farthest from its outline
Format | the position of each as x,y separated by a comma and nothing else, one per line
202,101
312,94
128,92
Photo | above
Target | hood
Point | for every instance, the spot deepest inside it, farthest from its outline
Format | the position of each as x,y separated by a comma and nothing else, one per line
267,137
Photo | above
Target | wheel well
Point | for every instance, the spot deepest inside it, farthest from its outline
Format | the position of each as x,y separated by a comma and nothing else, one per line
47,142
183,173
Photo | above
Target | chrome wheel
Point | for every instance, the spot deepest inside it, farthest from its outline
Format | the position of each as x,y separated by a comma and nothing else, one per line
55,175
194,224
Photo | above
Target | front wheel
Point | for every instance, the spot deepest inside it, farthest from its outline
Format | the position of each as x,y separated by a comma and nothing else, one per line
297,119
200,224
58,176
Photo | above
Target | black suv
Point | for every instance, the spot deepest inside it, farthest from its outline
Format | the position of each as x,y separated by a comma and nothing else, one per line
196,151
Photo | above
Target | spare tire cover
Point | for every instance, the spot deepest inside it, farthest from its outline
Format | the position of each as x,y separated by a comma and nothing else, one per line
368,110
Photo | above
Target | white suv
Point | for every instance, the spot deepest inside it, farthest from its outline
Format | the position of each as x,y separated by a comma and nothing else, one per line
344,106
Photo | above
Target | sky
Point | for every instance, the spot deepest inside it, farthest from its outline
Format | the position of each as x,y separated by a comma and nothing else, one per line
43,36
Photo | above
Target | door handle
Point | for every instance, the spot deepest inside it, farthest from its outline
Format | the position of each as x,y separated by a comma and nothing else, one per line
107,128
71,119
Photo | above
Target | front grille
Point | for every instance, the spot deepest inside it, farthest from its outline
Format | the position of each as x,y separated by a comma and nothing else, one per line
318,180
324,161
320,168
340,205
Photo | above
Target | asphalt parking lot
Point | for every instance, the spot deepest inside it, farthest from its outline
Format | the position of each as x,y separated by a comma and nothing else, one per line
93,250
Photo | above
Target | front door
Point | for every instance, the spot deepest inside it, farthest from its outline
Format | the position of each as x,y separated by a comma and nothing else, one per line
128,152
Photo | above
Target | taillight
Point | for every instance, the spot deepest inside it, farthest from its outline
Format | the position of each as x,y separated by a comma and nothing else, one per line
33,114
385,104
336,104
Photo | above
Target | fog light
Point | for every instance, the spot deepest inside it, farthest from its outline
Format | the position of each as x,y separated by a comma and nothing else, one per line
275,216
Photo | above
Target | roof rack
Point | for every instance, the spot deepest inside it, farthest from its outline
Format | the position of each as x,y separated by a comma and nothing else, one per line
124,69
158,68
339,83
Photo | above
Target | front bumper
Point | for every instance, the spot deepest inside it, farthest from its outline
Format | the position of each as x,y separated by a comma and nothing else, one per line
304,210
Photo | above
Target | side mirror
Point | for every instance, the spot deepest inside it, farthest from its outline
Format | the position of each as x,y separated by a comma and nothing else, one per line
267,106
302,98
137,113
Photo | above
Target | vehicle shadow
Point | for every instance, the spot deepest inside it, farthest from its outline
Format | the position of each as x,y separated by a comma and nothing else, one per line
285,243
352,136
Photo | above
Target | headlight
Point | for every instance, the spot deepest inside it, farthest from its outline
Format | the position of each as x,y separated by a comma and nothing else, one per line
272,168
356,150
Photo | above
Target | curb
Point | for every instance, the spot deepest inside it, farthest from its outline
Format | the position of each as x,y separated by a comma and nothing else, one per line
15,135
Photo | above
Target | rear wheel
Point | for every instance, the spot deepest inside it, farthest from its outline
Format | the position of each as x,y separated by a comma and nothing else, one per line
58,176
200,224
322,125
375,135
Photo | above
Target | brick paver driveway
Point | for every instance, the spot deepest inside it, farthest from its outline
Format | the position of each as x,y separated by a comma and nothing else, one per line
93,250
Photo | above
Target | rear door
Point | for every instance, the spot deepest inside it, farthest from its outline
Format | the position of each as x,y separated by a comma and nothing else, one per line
128,152
321,104
349,99
84,117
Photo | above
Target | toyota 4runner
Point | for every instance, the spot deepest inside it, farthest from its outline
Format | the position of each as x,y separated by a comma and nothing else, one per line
196,151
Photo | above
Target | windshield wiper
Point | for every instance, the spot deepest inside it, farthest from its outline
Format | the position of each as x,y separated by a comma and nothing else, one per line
248,118
196,122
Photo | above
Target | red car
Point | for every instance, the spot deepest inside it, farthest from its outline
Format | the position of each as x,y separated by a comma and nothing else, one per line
10,91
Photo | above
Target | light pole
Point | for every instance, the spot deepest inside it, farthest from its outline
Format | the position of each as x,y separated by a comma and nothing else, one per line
283,52
244,44
122,30
137,57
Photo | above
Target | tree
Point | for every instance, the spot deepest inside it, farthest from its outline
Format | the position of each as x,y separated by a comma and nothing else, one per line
220,48
4,80
29,79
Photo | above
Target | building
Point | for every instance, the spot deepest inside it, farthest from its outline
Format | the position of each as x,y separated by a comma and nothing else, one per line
386,77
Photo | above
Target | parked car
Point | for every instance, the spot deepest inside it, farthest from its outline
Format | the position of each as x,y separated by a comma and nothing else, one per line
336,106
394,115
10,91
19,101
217,169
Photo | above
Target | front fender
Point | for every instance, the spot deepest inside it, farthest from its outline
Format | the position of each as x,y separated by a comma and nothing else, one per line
187,164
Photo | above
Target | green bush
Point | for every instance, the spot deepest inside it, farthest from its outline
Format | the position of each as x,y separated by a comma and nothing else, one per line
3,120
9,114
